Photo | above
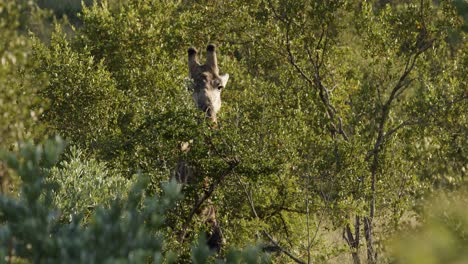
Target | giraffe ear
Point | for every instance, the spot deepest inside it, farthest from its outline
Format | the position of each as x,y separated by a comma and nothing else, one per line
224,79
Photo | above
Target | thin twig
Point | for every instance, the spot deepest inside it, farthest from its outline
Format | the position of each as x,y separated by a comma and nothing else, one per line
307,218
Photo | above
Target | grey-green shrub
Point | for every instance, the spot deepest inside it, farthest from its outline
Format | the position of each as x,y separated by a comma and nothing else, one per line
84,184
31,229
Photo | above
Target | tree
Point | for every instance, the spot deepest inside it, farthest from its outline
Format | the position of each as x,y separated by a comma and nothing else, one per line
19,107
372,105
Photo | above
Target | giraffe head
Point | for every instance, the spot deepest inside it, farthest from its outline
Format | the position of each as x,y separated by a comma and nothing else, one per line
207,82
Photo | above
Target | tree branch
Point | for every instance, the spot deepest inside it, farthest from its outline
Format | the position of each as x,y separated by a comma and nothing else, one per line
410,121
207,195
297,260
264,232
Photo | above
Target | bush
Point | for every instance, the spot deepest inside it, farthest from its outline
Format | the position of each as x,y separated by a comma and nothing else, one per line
128,231
32,229
85,184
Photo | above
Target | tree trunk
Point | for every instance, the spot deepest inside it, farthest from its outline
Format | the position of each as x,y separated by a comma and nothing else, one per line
353,240
371,254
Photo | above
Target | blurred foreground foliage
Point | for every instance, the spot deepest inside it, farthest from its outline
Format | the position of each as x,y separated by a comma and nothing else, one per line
442,237
126,230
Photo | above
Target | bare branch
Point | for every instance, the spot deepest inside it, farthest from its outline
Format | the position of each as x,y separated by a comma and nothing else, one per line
402,81
297,260
275,13
292,59
316,231
340,129
411,121
207,195
275,243
307,218
286,230
405,123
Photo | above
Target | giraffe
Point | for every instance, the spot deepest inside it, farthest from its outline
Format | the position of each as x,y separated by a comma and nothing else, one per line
207,82
207,85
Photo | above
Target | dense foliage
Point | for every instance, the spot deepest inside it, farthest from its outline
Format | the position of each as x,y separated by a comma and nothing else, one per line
126,231
339,120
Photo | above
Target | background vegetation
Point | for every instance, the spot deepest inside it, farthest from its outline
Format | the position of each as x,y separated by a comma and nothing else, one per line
339,122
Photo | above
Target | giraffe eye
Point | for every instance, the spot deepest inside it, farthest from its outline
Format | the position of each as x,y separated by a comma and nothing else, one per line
220,87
